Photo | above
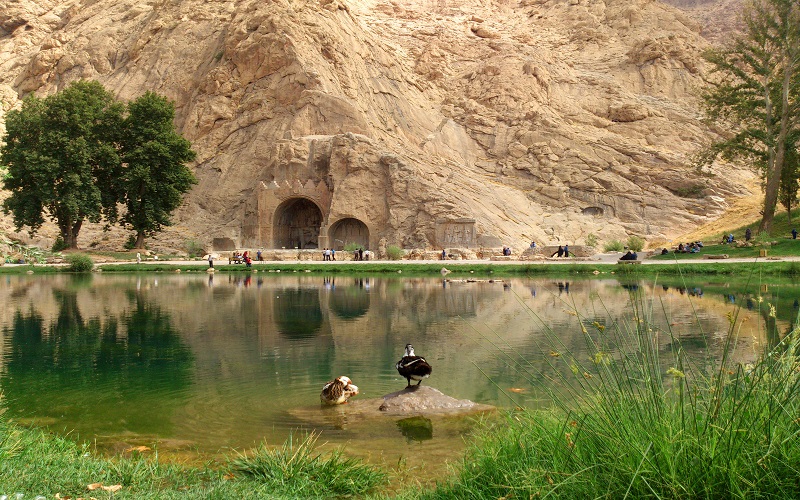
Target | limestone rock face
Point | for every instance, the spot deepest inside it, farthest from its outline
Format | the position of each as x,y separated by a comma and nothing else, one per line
544,120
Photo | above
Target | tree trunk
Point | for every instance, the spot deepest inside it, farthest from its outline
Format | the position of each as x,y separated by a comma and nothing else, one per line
770,195
69,233
777,157
139,240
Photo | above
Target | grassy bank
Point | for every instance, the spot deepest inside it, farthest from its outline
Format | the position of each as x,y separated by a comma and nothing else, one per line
462,271
35,463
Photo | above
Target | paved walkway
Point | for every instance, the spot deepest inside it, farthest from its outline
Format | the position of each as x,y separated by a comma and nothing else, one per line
599,259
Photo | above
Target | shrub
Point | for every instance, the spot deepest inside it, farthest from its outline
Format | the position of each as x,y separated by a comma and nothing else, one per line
635,243
394,252
193,248
58,245
130,243
79,263
613,246
591,240
351,247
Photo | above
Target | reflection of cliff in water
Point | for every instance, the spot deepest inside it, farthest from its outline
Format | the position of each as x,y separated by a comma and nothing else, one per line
298,314
117,370
349,302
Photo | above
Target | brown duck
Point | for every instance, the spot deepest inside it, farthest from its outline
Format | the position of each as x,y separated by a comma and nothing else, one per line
338,391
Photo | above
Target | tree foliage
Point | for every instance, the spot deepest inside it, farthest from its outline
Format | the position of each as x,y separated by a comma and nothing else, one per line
154,156
757,92
60,156
79,154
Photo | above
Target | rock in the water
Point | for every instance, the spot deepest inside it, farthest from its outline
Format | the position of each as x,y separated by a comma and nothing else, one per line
422,399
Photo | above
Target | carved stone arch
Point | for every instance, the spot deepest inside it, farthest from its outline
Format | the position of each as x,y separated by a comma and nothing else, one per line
297,223
348,230
594,211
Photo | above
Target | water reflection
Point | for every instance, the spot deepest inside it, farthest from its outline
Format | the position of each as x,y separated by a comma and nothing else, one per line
298,314
416,428
350,302
119,371
221,361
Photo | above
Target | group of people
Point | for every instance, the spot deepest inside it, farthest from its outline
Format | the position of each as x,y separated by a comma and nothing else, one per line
629,256
328,254
238,258
563,251
361,254
692,247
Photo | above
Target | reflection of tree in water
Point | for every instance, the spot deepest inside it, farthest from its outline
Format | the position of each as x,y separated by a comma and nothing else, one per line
89,374
298,313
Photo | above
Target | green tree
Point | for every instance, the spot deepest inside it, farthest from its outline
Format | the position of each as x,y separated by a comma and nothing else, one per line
155,176
758,90
60,156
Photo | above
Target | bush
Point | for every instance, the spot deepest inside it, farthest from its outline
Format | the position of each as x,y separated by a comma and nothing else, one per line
58,245
79,263
591,240
613,246
351,247
394,252
130,243
635,243
193,248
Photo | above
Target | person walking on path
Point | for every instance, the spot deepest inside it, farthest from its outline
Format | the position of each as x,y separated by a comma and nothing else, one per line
210,261
138,258
794,233
566,251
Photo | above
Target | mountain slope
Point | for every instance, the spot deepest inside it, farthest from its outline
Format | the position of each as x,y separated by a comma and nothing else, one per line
544,120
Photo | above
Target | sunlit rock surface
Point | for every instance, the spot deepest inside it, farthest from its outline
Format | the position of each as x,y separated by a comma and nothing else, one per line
543,120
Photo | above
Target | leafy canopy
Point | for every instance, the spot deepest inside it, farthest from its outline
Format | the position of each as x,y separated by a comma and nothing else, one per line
79,154
154,155
59,152
757,94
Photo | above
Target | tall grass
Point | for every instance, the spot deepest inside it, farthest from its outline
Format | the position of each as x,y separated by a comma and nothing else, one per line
623,426
297,469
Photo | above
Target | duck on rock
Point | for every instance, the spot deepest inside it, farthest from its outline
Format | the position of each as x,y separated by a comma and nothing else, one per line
338,391
413,367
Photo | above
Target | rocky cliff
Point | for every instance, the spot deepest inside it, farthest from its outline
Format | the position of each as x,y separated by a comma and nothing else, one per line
544,120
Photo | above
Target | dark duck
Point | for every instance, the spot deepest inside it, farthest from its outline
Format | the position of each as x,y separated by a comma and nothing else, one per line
413,367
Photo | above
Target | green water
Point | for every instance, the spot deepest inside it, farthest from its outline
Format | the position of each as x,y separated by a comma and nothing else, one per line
197,365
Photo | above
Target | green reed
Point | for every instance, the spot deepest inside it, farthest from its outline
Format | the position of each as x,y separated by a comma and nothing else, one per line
630,422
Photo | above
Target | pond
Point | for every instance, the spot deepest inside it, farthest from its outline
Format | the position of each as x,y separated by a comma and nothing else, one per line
198,365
